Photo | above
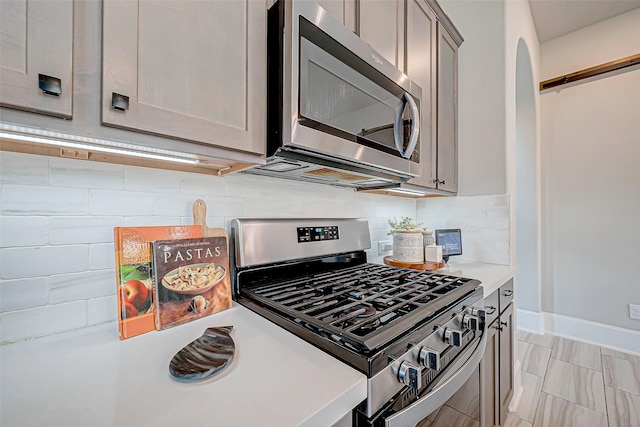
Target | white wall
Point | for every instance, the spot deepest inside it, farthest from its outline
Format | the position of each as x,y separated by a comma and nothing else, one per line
57,218
481,95
591,157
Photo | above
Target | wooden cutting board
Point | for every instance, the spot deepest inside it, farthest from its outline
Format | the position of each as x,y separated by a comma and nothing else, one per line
200,218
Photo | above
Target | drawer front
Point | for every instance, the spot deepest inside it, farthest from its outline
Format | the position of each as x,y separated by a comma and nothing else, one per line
491,306
506,295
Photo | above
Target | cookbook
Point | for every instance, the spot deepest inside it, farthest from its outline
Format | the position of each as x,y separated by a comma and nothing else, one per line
134,273
191,279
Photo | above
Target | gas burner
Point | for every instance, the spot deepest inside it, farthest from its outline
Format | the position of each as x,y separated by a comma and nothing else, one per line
359,312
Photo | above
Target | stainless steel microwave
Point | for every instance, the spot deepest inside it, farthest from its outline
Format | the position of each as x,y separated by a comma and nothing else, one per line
338,112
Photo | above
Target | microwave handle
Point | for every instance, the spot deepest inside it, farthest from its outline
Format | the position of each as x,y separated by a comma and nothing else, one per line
398,125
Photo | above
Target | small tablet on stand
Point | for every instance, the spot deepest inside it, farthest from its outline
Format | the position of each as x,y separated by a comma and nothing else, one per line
451,241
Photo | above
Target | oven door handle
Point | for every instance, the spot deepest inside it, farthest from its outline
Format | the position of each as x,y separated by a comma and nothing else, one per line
418,410
398,126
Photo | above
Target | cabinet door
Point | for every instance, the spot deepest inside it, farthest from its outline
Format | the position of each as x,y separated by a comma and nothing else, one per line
420,62
342,10
489,368
189,70
381,24
36,41
447,112
506,361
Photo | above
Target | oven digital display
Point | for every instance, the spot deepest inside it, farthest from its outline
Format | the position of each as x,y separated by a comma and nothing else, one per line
317,234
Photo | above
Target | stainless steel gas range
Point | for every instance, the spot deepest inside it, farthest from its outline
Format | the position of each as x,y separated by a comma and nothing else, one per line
417,336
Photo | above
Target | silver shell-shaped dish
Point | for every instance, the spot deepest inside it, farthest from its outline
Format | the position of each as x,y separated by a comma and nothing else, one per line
204,357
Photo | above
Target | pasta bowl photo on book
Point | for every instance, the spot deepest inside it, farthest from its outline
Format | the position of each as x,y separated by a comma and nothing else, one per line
194,279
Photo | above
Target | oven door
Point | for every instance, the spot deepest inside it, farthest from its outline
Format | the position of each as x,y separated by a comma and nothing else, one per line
346,101
453,400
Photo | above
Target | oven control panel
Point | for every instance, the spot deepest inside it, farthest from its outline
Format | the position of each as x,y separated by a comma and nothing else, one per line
317,234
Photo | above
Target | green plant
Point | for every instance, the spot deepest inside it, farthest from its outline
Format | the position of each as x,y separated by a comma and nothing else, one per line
404,223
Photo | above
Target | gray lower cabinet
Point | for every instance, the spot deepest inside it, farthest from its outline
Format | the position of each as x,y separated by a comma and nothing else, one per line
188,70
36,64
497,364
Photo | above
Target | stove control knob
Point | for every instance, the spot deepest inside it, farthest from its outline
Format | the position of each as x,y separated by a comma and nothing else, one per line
430,358
410,375
453,337
479,313
471,322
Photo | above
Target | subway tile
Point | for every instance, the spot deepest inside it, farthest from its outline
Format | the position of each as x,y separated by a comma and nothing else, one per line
152,180
86,174
18,168
228,206
174,204
101,310
19,263
42,321
23,231
41,200
101,256
65,230
124,203
81,286
203,185
576,384
142,221
23,293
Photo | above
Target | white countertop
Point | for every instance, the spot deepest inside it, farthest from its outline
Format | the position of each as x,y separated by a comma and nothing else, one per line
91,378
492,276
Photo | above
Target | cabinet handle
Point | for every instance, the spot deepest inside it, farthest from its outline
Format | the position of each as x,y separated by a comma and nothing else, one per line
493,309
50,85
504,324
507,293
498,327
437,181
119,102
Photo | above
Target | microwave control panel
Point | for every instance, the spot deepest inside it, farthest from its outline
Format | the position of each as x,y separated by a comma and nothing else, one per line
317,234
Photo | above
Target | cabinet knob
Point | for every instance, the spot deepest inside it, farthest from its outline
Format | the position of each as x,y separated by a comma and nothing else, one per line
119,102
50,85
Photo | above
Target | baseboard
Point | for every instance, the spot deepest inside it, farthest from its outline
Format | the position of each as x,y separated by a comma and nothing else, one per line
530,321
614,337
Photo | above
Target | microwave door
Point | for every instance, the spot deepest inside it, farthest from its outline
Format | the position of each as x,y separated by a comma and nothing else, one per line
364,112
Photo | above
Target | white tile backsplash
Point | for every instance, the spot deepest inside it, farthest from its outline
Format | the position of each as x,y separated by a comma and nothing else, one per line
81,286
24,231
67,230
483,220
43,200
24,262
125,203
23,293
56,254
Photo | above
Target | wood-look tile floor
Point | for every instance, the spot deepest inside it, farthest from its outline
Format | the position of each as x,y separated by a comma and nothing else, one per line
573,384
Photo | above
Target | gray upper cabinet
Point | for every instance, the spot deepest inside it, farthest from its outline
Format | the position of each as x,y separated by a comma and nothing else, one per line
342,10
421,67
381,24
36,64
447,166
188,70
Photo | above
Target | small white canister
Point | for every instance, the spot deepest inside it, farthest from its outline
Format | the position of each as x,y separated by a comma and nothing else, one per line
408,245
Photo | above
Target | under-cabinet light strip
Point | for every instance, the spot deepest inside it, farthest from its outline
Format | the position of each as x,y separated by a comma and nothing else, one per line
405,191
17,133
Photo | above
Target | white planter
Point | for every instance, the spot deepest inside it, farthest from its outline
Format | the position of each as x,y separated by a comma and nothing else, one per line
408,245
